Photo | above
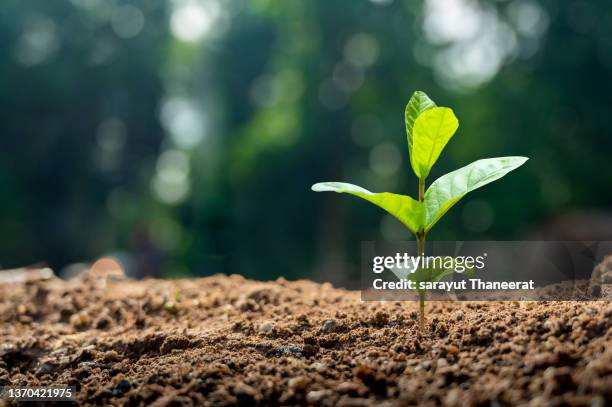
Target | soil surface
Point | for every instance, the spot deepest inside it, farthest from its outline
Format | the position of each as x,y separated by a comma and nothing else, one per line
229,341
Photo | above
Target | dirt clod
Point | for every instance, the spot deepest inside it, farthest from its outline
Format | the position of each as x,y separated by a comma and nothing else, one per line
174,342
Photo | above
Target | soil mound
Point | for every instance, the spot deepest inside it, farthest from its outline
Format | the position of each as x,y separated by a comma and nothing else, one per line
229,341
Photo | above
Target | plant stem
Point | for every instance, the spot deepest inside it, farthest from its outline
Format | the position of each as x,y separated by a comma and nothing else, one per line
422,310
421,252
421,190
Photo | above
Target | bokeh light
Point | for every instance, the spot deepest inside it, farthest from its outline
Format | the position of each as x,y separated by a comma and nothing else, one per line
192,19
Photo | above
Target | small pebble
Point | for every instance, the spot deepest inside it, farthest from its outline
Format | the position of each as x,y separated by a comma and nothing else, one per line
315,396
244,389
347,387
266,327
288,351
80,320
453,398
122,387
318,366
329,326
528,304
298,383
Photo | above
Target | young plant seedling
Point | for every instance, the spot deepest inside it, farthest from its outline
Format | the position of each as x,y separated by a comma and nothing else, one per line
429,128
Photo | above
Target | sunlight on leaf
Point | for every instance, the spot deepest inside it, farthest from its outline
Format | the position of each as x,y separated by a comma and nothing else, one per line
419,103
449,188
432,130
407,210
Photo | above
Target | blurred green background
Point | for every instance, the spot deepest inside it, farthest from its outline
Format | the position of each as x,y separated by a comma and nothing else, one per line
183,136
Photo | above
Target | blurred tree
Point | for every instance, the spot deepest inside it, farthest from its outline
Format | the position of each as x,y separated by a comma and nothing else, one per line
79,88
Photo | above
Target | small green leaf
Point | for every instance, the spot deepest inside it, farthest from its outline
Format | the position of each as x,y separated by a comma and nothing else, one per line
407,210
432,130
449,188
419,103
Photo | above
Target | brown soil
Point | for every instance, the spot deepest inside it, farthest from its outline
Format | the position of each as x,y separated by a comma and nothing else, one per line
229,341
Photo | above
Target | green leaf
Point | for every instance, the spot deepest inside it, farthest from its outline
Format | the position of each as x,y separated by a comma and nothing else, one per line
419,103
432,130
407,210
449,188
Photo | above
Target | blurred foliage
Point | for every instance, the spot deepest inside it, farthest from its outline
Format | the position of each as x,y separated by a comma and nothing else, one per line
183,136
